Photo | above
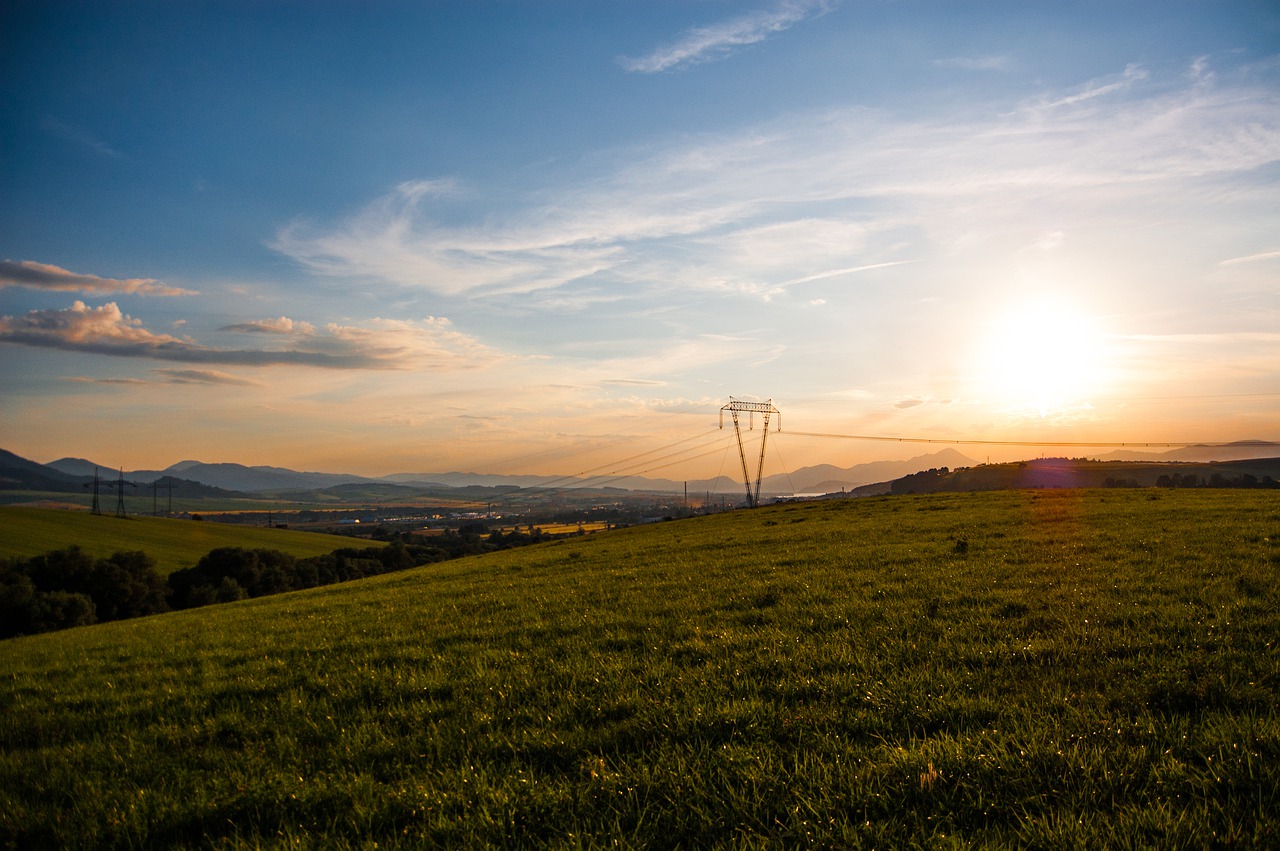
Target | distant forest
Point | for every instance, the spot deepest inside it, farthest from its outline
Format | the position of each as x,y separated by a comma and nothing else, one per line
1083,473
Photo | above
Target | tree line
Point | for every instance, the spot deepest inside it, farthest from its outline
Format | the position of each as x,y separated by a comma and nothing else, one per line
69,587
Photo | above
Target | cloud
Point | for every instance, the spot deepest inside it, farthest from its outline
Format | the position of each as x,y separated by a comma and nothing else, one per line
835,273
176,376
1252,258
1097,88
393,239
204,376
384,344
716,41
634,382
908,403
281,325
813,195
81,137
41,276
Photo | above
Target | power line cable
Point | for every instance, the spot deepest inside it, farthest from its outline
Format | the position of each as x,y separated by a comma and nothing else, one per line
629,467
563,451
1032,443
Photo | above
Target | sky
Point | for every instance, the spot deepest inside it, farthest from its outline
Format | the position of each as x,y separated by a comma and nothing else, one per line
557,237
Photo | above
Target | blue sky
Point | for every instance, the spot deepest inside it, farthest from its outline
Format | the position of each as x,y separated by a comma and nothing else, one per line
532,236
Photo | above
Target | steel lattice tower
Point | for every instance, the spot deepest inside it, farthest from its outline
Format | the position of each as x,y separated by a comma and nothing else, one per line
766,409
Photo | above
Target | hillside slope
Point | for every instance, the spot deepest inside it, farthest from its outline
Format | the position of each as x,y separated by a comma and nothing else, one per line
175,544
1050,669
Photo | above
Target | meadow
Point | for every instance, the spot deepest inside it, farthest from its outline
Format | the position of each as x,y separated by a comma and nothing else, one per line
174,544
1034,669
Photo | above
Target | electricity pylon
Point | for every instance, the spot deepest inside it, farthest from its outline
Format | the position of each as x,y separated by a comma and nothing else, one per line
97,507
119,486
735,407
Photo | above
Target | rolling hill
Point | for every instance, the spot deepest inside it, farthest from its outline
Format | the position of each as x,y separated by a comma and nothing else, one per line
175,544
1051,669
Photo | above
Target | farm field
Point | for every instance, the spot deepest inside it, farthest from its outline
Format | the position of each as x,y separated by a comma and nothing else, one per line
1050,669
561,529
174,544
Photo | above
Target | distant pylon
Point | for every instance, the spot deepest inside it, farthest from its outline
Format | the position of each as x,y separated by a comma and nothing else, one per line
120,495
765,408
97,507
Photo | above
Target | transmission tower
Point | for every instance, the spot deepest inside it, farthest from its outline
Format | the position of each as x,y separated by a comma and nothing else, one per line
765,409
97,507
119,486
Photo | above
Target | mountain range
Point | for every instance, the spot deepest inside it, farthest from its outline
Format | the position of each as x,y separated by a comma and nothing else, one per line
71,473
822,478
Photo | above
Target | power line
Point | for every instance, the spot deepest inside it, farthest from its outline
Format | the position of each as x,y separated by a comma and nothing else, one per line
624,468
562,451
969,442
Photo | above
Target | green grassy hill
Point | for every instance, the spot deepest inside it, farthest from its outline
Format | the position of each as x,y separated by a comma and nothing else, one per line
1055,669
175,544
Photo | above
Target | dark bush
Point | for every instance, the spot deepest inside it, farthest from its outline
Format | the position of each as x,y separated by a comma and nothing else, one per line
66,588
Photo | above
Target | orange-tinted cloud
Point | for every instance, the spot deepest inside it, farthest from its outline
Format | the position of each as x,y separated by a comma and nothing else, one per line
42,276
386,344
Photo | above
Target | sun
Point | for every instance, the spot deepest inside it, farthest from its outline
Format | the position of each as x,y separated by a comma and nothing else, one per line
1042,357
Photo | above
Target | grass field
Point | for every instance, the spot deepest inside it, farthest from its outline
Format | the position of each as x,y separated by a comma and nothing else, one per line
174,544
1056,669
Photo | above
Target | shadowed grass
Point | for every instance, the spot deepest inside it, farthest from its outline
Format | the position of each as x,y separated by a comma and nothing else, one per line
1093,668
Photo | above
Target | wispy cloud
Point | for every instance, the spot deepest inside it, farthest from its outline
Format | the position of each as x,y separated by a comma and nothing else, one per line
811,196
1097,88
395,239
282,325
1252,258
175,376
835,273
81,137
716,41
203,376
42,276
381,344
634,382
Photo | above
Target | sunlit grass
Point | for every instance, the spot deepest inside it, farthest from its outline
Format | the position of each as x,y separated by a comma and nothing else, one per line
174,544
1044,669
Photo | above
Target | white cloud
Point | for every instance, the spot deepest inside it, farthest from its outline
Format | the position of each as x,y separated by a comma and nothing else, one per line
716,41
813,196
394,240
1098,88
1252,258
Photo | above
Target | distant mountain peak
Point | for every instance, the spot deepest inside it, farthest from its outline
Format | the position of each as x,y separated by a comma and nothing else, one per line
78,466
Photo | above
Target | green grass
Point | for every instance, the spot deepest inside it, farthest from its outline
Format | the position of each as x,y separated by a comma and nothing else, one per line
174,544
1069,669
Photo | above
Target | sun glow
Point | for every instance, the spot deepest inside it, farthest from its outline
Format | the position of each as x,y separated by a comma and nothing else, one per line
1042,358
